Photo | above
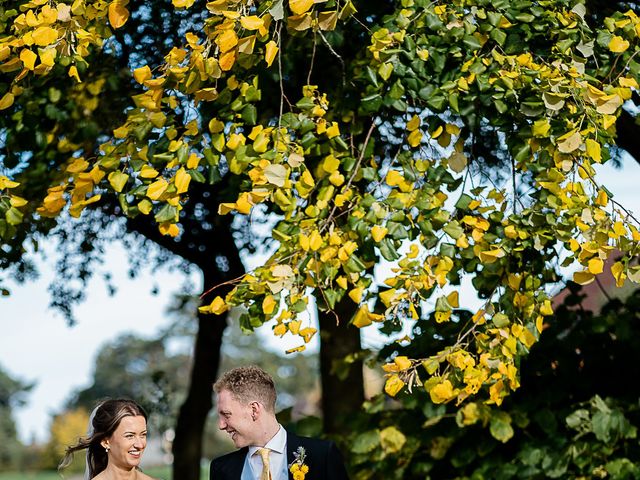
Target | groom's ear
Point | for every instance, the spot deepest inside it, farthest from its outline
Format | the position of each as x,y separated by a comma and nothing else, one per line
255,410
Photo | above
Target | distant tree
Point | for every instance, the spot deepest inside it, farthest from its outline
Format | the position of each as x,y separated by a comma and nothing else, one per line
140,369
13,394
66,428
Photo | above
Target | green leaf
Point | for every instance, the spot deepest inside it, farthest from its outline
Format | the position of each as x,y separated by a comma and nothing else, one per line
14,216
168,213
366,442
500,427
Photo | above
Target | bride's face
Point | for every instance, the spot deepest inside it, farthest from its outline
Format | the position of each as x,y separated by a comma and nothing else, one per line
128,442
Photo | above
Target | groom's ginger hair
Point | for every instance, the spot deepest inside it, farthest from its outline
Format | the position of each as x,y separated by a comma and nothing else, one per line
249,384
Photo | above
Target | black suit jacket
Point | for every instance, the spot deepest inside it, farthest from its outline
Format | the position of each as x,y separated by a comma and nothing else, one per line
322,457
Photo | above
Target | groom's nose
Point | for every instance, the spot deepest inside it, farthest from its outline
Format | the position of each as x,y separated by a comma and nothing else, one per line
221,423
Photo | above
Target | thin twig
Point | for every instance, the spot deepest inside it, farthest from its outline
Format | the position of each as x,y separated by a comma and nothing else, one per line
313,58
353,174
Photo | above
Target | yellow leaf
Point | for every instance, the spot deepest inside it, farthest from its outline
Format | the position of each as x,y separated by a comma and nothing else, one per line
118,180
514,281
227,40
391,440
307,334
170,229
596,266
270,51
78,165
315,240
608,120
145,206
269,304
378,233
17,202
182,180
28,58
294,326
609,104
183,3
541,128
276,174
157,188
628,82
546,309
48,56
252,22
414,138
442,392
5,183
593,150
387,296
618,44
6,101
73,73
356,294
118,14
453,299
243,205
393,385
44,36
300,6
413,124
583,278
142,74
227,60
394,178
571,143
301,348
147,171
617,270
280,329
362,318
402,362
490,256
217,307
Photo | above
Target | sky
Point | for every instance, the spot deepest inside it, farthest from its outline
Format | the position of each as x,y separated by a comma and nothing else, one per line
37,345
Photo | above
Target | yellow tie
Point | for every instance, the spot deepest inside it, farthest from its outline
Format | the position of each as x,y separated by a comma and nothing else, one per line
266,473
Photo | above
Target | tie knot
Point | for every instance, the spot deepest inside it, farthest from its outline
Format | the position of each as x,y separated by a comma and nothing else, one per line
264,454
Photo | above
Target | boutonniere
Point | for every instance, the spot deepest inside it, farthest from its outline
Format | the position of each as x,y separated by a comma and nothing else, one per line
298,468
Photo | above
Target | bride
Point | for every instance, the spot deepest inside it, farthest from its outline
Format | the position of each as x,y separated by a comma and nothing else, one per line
115,442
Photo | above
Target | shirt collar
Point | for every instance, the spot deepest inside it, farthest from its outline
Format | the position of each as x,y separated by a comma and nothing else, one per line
278,442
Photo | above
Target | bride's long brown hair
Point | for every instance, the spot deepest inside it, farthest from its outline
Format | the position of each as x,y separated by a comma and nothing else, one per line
106,418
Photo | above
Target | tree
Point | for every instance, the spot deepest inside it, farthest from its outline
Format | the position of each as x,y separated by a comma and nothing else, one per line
66,428
368,129
12,395
575,416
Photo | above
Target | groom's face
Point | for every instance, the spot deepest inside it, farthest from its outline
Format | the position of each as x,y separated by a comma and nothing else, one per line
235,419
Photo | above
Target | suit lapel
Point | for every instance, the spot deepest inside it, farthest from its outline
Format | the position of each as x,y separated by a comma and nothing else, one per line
236,463
293,443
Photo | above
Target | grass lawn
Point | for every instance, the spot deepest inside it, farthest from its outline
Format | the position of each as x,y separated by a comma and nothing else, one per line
161,473
29,476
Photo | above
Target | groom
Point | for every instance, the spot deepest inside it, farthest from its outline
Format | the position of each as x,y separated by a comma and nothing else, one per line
246,411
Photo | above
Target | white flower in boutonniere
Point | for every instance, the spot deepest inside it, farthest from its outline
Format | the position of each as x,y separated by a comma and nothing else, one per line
298,468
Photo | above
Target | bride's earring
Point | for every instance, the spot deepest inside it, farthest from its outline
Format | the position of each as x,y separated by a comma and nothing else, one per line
106,448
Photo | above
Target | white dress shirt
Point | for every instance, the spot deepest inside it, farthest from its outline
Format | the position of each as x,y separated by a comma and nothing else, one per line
252,468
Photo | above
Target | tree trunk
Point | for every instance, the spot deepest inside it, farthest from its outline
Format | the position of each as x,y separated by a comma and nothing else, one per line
343,390
192,418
